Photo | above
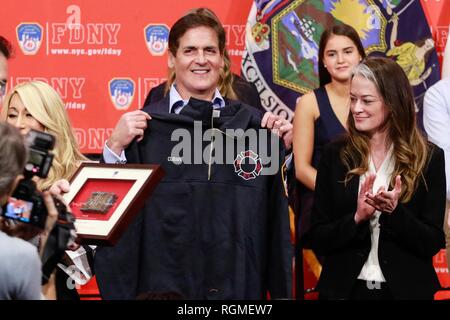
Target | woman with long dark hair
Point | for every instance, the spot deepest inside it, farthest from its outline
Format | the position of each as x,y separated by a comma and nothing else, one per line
380,195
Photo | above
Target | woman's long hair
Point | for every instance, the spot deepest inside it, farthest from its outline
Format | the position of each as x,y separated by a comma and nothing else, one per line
410,149
46,106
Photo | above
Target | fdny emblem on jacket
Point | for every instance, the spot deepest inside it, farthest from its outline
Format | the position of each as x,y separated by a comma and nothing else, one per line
29,36
248,165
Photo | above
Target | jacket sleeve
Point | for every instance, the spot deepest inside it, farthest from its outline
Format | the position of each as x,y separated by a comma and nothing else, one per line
280,247
333,231
132,152
422,232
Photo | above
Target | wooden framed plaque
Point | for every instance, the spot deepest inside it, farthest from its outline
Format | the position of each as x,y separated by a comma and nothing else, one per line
106,197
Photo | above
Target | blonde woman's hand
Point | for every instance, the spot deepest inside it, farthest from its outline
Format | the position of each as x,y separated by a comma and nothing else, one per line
60,187
52,218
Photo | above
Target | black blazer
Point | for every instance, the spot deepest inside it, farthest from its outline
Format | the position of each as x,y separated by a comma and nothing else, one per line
409,237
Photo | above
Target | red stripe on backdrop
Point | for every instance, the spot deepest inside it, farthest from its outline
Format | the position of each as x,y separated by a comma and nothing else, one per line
438,15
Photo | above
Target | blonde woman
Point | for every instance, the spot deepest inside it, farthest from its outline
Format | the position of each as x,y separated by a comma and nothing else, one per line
36,105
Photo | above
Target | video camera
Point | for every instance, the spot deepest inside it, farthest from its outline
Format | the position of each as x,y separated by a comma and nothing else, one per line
27,204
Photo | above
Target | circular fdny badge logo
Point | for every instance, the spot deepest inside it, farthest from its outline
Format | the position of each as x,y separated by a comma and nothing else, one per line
29,37
248,165
121,91
156,38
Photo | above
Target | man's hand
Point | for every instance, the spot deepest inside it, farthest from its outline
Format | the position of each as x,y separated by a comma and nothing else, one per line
131,124
279,126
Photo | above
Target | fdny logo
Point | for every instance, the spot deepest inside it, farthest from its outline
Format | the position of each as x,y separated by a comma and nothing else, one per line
156,38
247,165
121,91
29,36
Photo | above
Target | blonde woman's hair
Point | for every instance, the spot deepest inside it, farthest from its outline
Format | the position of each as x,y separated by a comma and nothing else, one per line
46,106
410,149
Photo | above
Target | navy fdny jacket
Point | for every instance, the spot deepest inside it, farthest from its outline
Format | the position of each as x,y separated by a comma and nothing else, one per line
210,230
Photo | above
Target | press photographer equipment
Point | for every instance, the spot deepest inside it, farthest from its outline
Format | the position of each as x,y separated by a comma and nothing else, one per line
27,203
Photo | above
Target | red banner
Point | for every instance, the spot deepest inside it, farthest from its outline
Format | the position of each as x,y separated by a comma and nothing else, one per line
103,56
438,14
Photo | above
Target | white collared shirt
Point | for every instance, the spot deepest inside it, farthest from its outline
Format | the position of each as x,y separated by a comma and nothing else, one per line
371,271
177,103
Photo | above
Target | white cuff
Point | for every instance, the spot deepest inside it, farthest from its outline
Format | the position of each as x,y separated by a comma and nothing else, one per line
110,157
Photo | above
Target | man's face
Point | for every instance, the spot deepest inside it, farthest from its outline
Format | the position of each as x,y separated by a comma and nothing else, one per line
197,63
3,76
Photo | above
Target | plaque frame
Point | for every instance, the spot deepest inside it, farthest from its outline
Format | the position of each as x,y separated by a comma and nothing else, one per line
139,180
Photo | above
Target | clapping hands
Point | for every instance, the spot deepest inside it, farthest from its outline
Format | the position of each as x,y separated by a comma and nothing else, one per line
382,200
